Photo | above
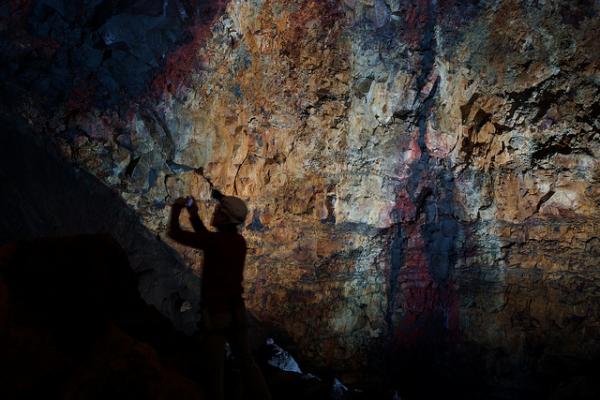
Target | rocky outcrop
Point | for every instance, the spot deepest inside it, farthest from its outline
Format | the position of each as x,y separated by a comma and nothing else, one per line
422,175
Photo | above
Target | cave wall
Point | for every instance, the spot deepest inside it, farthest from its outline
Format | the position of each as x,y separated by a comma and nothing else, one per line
422,175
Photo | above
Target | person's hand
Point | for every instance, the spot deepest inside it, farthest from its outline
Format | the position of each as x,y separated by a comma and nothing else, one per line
179,202
191,205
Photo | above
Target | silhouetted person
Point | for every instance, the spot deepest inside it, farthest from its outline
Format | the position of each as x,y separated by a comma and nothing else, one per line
223,310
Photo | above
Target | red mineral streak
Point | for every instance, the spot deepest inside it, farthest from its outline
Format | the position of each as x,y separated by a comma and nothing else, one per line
181,63
416,18
414,152
404,207
296,25
426,90
430,307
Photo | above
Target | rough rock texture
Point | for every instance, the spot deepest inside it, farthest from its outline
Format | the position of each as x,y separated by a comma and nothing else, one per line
422,175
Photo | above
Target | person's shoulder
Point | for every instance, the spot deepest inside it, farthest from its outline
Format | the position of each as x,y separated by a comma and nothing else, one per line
237,238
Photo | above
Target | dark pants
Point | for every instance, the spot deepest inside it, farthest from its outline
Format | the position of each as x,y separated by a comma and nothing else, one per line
227,322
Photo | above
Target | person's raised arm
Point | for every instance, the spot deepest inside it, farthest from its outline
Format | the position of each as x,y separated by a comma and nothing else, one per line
197,224
175,232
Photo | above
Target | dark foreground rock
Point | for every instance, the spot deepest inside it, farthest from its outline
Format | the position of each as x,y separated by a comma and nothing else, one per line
73,326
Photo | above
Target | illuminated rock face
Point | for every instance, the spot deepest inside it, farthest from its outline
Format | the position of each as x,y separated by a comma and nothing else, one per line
420,174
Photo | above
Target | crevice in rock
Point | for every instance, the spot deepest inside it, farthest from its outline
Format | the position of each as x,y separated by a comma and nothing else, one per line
237,172
131,166
557,145
543,200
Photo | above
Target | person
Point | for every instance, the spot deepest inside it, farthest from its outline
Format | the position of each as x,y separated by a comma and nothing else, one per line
223,310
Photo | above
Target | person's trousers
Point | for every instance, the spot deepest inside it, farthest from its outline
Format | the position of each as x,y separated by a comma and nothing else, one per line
228,323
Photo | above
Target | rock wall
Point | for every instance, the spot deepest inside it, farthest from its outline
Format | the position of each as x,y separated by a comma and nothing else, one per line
422,175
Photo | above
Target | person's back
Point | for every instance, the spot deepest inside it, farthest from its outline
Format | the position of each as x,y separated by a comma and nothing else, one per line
223,270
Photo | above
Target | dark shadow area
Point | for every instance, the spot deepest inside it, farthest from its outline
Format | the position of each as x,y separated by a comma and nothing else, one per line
44,196
73,326
100,53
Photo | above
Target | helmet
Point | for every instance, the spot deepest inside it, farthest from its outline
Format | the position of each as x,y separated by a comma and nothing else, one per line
234,208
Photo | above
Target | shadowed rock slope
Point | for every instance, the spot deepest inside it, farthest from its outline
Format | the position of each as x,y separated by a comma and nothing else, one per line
73,326
44,195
